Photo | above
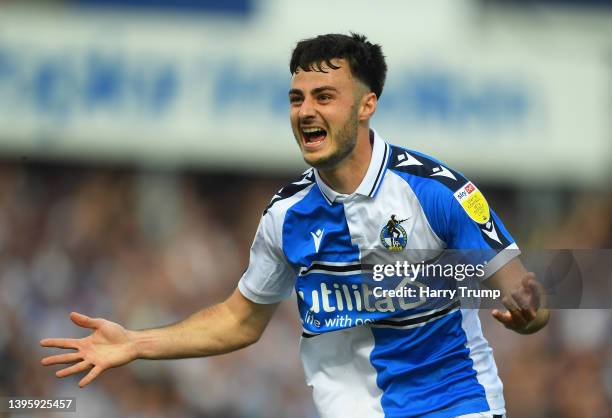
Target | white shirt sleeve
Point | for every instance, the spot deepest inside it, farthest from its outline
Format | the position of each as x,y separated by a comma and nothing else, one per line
269,278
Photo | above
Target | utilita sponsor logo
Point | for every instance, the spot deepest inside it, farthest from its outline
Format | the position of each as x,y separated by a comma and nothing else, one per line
332,297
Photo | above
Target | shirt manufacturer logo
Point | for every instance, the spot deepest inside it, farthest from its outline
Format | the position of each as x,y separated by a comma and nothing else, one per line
317,237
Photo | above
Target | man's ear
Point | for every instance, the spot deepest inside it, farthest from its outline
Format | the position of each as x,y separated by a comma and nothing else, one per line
367,106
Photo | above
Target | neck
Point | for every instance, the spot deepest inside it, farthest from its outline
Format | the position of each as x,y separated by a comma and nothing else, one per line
348,175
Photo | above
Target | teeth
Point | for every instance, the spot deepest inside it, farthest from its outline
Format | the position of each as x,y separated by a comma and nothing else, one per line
311,130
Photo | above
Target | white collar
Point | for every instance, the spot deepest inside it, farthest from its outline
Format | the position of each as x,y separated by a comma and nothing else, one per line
376,171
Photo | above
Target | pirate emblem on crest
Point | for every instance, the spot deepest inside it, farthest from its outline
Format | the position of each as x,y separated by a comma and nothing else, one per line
393,236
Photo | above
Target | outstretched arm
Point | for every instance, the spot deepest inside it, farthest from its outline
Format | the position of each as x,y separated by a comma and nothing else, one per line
233,324
522,295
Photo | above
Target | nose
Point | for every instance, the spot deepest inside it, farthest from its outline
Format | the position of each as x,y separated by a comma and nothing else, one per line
307,109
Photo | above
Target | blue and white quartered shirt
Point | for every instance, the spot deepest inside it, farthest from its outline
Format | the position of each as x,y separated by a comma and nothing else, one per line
361,362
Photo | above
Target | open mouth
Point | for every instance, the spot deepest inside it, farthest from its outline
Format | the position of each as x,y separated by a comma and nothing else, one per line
313,136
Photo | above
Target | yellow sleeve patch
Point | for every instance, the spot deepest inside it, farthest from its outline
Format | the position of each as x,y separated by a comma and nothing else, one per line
474,203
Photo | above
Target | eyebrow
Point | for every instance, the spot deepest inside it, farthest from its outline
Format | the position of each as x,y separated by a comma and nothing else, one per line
314,91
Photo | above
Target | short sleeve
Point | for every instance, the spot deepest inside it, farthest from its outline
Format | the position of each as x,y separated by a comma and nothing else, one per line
457,212
473,225
269,277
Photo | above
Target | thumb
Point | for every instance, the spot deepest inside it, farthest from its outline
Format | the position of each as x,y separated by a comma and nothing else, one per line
84,321
503,317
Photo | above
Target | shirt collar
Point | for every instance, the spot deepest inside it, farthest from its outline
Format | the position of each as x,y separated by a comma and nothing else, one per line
373,178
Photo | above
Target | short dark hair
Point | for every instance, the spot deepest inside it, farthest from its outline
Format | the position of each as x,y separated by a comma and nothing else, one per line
365,59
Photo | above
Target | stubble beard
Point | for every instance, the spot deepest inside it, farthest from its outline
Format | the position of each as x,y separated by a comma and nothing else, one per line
345,139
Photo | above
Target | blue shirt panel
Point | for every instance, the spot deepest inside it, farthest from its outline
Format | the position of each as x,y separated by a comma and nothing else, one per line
427,370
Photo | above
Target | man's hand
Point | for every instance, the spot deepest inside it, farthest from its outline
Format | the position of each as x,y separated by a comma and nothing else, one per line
525,314
108,346
233,324
523,296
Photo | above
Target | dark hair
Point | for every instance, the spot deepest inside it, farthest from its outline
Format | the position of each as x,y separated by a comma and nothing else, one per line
365,59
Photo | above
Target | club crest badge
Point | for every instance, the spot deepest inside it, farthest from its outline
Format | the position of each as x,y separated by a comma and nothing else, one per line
393,236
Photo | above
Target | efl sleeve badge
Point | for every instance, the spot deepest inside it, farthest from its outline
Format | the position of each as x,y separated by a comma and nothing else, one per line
474,203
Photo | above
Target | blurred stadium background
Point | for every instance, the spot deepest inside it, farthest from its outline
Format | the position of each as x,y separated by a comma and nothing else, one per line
141,140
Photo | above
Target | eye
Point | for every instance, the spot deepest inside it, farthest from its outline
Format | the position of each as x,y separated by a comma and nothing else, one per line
324,97
295,100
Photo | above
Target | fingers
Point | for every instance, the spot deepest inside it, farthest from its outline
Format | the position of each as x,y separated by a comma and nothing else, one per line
77,368
84,321
522,304
522,301
504,317
528,278
93,373
59,343
80,320
534,288
61,359
515,310
528,296
70,343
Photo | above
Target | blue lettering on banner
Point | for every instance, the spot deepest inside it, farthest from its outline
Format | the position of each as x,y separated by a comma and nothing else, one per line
53,87
442,98
446,98
61,86
236,88
105,82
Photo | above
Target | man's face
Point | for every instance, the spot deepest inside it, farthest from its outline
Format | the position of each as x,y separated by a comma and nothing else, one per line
324,110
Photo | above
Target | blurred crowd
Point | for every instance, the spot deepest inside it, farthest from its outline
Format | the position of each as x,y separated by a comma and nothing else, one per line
148,247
